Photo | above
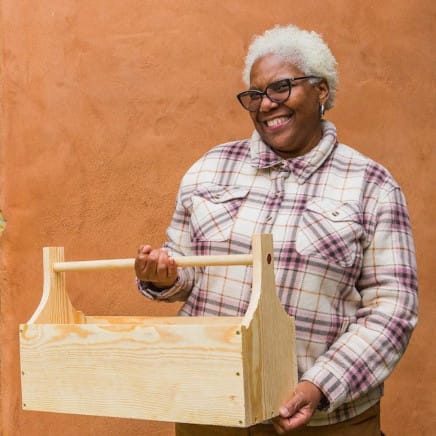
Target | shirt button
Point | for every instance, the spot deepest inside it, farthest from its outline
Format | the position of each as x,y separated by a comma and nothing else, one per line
335,213
269,218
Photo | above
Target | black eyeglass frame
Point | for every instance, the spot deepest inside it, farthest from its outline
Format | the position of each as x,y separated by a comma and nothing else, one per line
261,94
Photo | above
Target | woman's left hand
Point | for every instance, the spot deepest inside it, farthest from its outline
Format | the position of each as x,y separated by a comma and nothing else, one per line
299,409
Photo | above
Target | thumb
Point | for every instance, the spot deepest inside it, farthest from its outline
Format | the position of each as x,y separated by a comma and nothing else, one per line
294,404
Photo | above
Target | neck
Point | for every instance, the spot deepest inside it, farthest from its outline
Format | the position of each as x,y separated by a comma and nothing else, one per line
311,143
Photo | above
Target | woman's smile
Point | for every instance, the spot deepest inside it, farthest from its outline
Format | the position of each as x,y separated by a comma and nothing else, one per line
293,127
277,123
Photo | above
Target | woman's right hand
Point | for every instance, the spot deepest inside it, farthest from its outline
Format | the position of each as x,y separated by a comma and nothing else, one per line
155,266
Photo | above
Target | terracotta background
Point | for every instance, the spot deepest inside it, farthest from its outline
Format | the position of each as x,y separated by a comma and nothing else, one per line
105,104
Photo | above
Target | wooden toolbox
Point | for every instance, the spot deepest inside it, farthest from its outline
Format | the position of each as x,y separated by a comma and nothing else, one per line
231,371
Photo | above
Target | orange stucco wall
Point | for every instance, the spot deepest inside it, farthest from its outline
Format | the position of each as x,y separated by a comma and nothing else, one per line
105,104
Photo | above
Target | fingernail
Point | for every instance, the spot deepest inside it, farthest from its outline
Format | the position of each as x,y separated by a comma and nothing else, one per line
284,412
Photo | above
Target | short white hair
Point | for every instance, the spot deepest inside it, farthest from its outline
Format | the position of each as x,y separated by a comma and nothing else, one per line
306,50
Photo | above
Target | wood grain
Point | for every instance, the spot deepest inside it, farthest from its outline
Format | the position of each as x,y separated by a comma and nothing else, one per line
183,262
231,371
168,372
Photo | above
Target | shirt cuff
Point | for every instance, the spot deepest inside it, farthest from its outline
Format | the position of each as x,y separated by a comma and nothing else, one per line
332,387
154,293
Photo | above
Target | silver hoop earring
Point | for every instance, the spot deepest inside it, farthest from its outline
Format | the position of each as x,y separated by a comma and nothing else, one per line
321,110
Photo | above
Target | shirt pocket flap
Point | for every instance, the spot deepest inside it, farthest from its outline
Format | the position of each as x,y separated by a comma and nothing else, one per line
335,210
214,209
220,194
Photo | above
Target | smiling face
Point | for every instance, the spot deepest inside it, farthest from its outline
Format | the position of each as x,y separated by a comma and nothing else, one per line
291,128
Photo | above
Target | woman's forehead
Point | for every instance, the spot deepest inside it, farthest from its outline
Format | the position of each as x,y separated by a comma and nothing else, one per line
270,68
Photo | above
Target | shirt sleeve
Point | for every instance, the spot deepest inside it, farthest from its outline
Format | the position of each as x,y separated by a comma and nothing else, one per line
178,244
364,356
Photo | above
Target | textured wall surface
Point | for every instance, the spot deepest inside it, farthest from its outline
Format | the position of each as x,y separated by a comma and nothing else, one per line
105,104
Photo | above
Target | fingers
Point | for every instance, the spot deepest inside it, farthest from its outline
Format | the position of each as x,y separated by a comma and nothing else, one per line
299,409
141,260
293,405
285,425
295,413
165,266
154,265
144,249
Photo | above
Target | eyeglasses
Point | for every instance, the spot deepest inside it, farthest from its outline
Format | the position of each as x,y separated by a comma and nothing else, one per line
277,92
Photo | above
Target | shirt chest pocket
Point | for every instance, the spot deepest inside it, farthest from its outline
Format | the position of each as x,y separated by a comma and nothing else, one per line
330,230
214,209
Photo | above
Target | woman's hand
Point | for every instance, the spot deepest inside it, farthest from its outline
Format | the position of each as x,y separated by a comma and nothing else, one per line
154,265
299,409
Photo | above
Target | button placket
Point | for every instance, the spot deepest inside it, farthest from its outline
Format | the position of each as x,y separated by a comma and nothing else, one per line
275,198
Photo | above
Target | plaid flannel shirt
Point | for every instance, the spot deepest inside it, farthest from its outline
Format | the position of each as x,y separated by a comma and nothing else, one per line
344,257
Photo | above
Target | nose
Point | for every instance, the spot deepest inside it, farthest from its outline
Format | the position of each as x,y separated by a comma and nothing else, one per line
267,104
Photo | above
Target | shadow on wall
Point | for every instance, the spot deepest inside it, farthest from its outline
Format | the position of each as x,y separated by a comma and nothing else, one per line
2,222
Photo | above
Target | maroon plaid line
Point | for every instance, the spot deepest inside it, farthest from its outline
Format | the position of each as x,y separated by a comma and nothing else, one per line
344,257
376,174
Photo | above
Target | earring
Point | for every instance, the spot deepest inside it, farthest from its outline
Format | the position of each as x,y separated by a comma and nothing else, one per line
321,110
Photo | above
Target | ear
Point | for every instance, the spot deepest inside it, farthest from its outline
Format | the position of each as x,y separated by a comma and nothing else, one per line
323,90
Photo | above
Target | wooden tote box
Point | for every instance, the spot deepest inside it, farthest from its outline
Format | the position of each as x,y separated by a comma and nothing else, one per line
230,371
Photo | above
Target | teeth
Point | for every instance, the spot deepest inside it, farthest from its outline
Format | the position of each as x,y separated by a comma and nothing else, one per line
276,121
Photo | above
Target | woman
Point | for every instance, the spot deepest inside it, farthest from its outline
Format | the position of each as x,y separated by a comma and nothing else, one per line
344,254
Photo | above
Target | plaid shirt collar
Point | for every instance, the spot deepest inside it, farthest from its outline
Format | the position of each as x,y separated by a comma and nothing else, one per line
262,156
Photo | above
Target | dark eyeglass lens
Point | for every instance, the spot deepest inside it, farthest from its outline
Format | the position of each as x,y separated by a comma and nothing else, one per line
251,100
279,91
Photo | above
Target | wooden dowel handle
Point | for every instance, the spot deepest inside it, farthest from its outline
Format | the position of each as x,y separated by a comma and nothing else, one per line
185,261
91,265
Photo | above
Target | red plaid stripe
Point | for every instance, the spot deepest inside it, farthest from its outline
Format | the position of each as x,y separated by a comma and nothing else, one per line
344,257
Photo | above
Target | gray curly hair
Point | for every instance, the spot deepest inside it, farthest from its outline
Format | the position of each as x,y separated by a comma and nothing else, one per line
306,50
